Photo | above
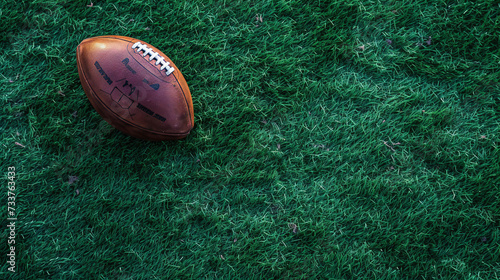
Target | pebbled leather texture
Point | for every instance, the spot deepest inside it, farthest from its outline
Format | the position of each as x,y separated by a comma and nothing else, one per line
131,92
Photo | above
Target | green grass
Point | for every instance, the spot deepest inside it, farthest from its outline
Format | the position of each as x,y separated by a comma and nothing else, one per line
334,139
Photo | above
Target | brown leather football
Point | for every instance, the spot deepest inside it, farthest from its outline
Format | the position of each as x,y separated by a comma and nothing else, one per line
135,87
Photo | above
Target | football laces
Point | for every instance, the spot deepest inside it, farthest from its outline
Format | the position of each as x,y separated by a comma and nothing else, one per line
153,55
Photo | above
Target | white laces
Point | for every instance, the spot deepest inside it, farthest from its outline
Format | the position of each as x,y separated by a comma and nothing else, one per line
153,55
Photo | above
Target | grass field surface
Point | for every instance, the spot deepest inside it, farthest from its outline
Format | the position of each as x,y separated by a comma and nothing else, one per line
333,140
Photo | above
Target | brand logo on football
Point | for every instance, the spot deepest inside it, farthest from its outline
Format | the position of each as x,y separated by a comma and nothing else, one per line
125,62
154,86
103,74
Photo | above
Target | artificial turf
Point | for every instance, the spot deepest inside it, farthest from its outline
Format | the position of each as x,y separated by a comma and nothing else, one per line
333,140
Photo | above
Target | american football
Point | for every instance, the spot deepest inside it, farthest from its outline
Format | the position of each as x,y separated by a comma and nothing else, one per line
135,87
